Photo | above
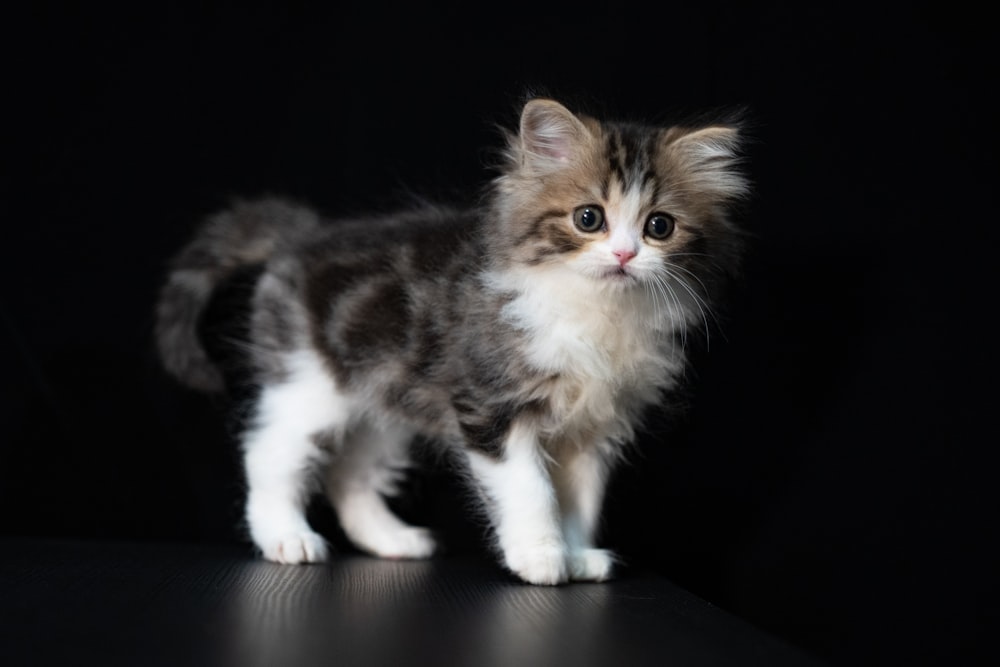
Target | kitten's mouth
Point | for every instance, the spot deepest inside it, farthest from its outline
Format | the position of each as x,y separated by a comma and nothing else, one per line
619,274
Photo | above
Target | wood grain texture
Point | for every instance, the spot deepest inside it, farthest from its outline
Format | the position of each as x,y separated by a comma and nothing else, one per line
79,603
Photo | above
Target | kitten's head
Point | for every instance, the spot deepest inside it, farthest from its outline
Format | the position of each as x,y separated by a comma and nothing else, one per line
623,206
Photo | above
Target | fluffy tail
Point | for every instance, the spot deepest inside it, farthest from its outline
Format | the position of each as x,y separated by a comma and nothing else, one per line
246,234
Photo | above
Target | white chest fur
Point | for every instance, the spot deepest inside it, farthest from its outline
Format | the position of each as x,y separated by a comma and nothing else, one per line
607,349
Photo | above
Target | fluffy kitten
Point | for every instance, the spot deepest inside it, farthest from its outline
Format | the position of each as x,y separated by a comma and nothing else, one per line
526,336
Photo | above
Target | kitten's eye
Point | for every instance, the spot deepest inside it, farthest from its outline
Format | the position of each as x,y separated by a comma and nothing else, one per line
660,225
588,218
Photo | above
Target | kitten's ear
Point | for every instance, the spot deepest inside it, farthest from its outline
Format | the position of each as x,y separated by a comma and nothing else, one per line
550,134
711,156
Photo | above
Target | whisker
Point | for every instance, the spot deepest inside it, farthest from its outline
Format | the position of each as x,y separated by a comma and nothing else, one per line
703,308
662,300
650,289
689,272
711,260
669,296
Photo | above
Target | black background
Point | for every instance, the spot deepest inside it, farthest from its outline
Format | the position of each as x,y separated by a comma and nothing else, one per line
834,480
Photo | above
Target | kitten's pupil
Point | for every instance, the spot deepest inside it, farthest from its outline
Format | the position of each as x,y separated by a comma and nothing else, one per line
659,225
588,218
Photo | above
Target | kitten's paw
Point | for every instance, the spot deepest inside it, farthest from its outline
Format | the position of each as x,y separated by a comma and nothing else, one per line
591,564
540,565
405,543
294,548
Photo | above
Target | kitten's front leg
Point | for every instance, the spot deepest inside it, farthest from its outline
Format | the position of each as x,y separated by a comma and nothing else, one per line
524,508
580,478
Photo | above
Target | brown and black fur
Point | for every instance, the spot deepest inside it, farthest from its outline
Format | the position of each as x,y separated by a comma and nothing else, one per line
405,311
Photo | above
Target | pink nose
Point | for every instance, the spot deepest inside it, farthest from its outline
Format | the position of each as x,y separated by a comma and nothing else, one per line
624,256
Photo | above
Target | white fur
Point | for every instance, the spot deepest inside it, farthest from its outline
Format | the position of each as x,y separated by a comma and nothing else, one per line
369,466
598,328
604,341
281,455
580,478
524,508
545,511
623,215
605,345
608,346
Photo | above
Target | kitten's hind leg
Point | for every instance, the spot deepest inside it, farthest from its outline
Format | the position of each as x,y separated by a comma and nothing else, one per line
280,457
580,478
367,468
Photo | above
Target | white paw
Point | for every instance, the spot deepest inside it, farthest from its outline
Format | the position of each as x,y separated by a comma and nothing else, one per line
293,548
541,565
403,543
591,564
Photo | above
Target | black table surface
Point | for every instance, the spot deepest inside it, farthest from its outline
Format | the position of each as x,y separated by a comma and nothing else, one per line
102,602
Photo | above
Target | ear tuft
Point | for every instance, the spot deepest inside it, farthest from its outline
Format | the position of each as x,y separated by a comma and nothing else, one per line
710,155
550,134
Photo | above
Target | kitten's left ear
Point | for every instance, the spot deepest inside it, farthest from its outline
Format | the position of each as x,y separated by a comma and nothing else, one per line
550,134
710,155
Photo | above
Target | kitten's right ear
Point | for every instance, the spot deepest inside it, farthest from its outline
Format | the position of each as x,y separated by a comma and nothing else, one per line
550,134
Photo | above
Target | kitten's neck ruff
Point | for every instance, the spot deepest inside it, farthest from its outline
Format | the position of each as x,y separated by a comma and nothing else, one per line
607,351
575,326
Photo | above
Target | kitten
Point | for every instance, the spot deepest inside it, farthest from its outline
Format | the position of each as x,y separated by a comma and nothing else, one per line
526,336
